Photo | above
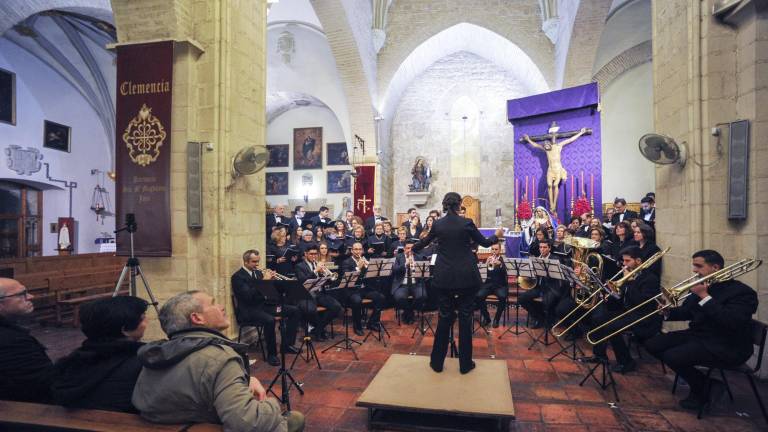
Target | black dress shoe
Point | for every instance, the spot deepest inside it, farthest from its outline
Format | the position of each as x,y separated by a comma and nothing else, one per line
495,323
436,368
359,331
624,368
290,349
466,371
273,360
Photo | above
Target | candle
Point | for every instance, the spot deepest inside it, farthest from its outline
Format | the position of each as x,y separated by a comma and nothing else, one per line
516,186
526,187
592,186
582,183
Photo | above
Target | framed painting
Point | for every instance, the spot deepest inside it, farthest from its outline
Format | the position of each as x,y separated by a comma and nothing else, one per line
277,183
278,155
338,154
338,182
308,148
56,136
7,97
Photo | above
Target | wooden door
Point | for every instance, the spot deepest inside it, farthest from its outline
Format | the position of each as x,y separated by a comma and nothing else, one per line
472,205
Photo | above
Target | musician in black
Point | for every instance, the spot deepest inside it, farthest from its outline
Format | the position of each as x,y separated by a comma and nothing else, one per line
357,263
719,333
457,278
550,290
297,221
372,221
378,243
254,307
282,255
404,284
399,244
622,238
307,269
277,218
322,219
645,238
495,283
621,213
540,236
640,288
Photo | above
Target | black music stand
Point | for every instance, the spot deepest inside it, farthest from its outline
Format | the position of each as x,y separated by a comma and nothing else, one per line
547,269
606,376
348,281
518,267
570,276
311,286
421,271
285,291
378,269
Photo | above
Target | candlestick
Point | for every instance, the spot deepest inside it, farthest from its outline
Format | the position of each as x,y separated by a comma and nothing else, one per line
572,191
535,192
526,187
582,191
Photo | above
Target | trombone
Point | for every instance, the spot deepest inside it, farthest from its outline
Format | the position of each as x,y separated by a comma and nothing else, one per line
674,297
599,287
612,287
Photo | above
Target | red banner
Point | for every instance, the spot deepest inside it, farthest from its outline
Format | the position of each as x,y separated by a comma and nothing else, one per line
364,187
143,146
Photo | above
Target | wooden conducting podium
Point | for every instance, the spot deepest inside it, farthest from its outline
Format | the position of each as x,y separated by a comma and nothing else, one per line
407,395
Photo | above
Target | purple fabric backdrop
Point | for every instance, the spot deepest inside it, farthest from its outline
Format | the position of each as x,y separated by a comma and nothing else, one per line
572,109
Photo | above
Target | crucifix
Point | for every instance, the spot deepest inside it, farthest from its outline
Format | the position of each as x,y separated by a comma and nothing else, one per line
549,144
363,202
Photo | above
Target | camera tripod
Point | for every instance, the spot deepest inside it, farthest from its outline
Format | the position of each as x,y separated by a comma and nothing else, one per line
284,374
132,268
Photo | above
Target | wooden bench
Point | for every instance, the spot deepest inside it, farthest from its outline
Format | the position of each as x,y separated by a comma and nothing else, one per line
26,416
73,290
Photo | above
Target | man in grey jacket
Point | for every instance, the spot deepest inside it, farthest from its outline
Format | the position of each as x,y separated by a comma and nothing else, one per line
199,375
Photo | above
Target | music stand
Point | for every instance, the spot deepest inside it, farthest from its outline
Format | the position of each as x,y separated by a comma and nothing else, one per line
378,269
421,271
570,276
546,269
517,267
311,286
348,281
285,291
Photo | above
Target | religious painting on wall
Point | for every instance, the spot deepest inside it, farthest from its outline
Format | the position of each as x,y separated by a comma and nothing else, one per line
278,155
277,183
56,136
338,182
308,148
338,154
7,97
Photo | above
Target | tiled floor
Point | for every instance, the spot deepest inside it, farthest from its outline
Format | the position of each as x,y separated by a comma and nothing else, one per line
547,394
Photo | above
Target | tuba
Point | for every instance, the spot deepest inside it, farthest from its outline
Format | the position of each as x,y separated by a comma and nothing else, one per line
583,256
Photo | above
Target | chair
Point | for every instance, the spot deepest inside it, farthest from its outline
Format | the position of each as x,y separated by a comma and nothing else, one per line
632,339
759,332
241,324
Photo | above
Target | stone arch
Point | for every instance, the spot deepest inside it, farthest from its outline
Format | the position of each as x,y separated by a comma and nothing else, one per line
463,37
623,62
12,13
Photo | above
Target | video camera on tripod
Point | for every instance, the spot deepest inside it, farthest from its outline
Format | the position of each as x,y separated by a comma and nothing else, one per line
132,267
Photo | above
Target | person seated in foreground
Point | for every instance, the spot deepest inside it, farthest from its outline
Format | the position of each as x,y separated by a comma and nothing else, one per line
200,376
26,371
101,373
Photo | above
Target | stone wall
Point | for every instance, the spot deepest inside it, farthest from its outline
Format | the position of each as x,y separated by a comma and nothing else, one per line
706,73
218,97
422,127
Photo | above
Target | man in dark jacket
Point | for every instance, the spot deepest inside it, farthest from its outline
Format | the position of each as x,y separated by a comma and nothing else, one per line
496,283
200,376
101,373
457,278
309,269
26,372
404,284
645,285
719,333
621,213
253,307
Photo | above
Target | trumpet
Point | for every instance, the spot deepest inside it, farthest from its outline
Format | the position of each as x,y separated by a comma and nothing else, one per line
322,270
492,262
676,295
278,276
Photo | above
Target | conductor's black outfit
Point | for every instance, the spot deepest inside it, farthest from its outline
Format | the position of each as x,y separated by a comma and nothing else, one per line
718,335
254,307
457,279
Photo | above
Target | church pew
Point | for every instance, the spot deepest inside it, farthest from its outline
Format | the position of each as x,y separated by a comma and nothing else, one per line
74,290
24,416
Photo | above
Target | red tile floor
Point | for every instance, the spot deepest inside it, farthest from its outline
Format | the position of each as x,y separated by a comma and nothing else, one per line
547,394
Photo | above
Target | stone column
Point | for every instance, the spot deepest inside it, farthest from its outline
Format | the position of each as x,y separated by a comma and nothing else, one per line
707,73
219,87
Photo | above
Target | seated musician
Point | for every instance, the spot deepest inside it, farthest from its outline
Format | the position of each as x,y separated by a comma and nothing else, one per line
378,243
253,306
642,287
550,291
400,242
719,333
307,269
403,285
356,262
495,283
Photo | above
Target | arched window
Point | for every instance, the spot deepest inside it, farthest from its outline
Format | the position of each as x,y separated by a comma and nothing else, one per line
21,211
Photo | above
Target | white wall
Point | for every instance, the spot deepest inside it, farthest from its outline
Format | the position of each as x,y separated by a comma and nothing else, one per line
280,131
627,115
42,94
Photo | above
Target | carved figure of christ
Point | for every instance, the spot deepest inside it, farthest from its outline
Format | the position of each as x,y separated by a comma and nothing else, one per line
549,144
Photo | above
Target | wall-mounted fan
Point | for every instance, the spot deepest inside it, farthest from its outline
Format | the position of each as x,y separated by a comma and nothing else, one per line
662,150
249,160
